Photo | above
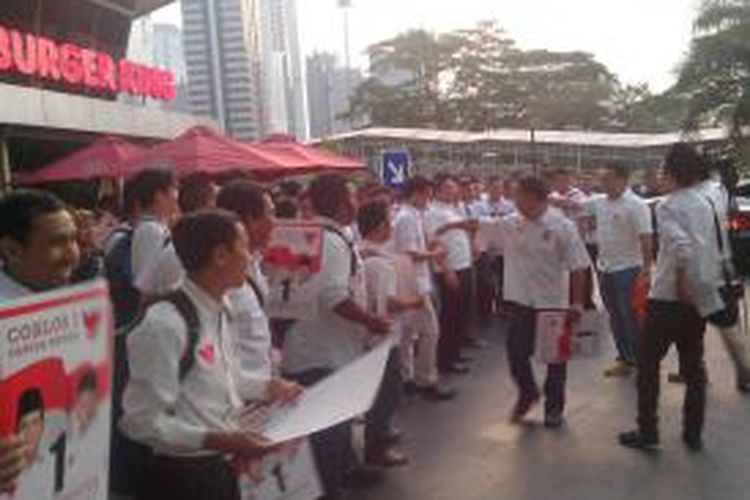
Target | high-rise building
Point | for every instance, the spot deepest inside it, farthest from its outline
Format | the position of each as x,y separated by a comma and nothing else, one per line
283,87
329,88
222,53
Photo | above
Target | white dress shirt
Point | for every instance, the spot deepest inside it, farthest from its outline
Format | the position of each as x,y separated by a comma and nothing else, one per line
156,267
380,278
687,239
539,256
171,415
455,241
620,224
10,289
325,339
251,330
409,236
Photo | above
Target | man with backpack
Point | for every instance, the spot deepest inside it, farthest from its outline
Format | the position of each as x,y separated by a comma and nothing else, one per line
183,395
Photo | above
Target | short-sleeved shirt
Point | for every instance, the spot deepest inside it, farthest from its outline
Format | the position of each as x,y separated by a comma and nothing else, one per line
620,225
409,236
539,256
455,241
156,267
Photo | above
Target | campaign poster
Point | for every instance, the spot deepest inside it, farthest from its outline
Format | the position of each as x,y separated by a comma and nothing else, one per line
291,262
559,341
55,385
289,474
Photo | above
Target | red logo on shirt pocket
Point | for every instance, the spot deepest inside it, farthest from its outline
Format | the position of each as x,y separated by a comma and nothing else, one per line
207,353
91,320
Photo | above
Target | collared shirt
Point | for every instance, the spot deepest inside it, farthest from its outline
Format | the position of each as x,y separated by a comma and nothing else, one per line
409,236
687,239
156,267
620,224
455,241
539,256
172,415
500,207
251,329
325,339
10,289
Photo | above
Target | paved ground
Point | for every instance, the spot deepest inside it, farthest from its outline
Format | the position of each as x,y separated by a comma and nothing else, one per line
466,450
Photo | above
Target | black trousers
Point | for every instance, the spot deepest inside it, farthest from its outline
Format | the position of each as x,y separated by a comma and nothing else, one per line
455,312
668,323
484,285
497,270
332,447
379,419
521,344
200,478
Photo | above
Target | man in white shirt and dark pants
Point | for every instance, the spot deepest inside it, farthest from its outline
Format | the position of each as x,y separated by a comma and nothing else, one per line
683,294
624,236
187,412
545,259
445,226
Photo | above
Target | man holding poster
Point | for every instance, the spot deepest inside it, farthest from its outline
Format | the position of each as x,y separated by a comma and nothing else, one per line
543,256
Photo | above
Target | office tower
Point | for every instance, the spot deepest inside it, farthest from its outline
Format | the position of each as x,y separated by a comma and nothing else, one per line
328,92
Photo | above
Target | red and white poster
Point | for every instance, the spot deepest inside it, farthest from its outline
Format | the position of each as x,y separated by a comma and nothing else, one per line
55,388
559,341
291,262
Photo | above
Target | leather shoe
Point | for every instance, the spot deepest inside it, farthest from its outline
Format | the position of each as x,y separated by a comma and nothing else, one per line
437,392
554,420
457,369
638,441
523,407
389,457
694,443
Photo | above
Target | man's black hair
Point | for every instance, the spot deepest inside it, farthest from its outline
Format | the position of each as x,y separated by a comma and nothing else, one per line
30,401
147,183
534,186
87,382
684,164
291,189
619,169
195,193
20,208
327,193
441,179
244,198
371,215
286,209
196,236
417,184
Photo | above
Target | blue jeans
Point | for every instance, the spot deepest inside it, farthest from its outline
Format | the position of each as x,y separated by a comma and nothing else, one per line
617,293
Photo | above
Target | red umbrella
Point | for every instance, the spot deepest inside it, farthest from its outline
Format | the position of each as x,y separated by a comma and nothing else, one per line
100,160
202,150
315,159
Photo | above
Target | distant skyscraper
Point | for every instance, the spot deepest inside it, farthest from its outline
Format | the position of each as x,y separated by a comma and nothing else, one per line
222,52
328,93
283,86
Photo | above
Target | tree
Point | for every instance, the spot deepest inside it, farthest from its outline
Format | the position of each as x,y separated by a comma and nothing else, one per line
715,77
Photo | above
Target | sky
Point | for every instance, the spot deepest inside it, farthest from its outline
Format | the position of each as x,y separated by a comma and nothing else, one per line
639,40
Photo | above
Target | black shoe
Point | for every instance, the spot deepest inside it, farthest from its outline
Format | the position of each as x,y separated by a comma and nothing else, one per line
638,441
675,378
436,392
364,477
554,420
694,443
523,407
393,436
466,359
456,369
411,387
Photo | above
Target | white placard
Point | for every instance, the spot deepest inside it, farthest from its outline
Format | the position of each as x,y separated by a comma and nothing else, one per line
559,342
347,393
55,388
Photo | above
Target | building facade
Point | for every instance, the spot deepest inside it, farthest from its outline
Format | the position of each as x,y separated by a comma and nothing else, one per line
285,105
329,88
222,54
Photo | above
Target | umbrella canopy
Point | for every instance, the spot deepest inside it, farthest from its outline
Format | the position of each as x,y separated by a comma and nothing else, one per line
101,160
202,150
315,159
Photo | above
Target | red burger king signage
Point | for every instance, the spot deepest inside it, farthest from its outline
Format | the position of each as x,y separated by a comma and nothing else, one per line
31,55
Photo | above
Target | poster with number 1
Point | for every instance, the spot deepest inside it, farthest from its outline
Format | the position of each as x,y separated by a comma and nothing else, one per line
55,373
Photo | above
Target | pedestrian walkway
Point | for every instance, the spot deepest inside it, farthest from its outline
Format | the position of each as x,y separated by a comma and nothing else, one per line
467,450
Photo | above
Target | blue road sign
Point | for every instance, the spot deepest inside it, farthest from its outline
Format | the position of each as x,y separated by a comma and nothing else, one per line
396,166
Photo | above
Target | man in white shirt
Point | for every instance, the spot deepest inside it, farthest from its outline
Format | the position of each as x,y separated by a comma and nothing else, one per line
39,251
186,412
446,227
339,329
155,266
421,331
624,236
545,266
683,293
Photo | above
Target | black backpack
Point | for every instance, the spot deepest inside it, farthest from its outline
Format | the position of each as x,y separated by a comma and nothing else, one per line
129,459
126,300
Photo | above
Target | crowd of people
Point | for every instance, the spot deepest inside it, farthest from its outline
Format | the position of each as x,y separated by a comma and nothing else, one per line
432,263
